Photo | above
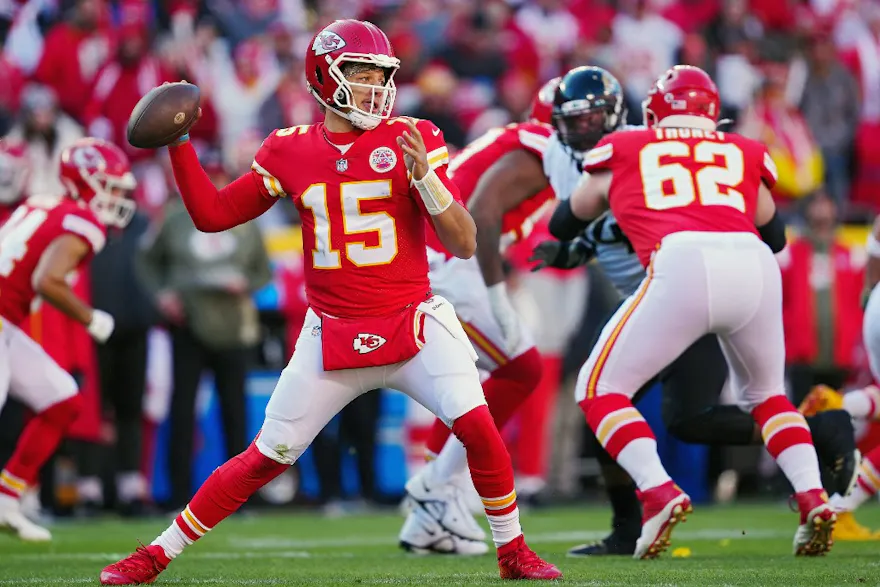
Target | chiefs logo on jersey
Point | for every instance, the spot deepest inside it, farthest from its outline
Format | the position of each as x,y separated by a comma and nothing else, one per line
327,42
367,343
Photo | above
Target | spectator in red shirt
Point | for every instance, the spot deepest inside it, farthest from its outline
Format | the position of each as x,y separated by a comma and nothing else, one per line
821,284
11,84
120,85
73,53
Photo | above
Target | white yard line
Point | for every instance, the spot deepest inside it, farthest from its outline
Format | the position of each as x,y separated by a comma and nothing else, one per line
279,547
276,541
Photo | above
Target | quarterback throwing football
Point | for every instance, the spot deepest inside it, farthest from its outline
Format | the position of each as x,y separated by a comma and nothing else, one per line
364,183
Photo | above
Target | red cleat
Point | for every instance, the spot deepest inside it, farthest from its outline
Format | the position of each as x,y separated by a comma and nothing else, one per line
663,507
814,535
138,568
517,561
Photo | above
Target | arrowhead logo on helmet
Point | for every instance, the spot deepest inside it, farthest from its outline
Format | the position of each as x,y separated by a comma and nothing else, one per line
89,157
327,42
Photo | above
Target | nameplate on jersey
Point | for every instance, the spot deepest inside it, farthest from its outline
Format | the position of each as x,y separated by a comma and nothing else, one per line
358,343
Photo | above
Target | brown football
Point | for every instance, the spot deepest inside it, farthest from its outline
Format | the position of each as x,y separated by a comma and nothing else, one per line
163,115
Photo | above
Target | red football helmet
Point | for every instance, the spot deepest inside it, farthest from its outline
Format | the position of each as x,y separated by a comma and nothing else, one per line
351,41
14,172
684,90
542,104
97,172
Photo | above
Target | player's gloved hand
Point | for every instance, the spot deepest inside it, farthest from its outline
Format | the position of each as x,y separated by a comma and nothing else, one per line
562,254
505,315
101,326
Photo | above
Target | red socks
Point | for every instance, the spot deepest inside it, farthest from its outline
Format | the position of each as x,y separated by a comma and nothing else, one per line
37,443
788,440
533,442
491,472
506,390
229,486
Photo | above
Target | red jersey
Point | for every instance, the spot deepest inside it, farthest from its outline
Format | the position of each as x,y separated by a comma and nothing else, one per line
363,220
469,165
668,180
27,234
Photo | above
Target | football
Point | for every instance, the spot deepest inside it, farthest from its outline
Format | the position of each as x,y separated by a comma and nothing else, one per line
163,115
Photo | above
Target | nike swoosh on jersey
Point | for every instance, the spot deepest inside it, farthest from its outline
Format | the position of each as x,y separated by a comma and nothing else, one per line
435,131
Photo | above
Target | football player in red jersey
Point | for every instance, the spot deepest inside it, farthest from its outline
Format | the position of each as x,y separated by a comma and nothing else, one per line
695,203
41,243
502,182
364,184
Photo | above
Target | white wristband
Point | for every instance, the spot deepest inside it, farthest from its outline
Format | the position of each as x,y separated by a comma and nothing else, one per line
101,326
436,196
873,246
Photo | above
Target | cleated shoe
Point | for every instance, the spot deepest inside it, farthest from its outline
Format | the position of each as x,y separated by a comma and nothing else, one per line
664,506
517,561
814,535
138,568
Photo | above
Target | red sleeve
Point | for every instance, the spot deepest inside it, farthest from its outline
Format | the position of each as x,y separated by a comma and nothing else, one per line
599,157
214,210
768,168
533,137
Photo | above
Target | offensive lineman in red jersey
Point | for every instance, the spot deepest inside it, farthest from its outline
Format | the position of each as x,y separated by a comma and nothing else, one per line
41,243
693,201
364,183
502,182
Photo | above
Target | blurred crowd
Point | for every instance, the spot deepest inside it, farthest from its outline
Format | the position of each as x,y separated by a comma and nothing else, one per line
803,76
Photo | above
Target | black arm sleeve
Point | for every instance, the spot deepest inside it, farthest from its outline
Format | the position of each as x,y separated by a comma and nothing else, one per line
773,233
564,225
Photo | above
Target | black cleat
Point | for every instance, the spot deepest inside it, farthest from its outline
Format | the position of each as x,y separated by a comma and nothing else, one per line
839,459
611,545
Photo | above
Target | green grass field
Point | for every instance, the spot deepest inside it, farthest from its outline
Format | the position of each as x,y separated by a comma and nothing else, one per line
739,545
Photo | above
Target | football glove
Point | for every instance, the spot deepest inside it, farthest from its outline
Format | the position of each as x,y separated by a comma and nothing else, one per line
506,316
562,254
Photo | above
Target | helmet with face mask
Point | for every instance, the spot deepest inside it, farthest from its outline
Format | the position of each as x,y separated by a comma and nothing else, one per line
344,48
98,173
588,105
542,103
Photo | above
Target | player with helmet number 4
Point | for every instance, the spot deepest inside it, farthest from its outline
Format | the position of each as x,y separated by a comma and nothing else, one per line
364,183
44,240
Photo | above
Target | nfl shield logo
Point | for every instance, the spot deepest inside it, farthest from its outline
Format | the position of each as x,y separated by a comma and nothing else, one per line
342,165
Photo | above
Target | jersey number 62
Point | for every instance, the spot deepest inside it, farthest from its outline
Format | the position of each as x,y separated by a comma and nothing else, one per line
713,184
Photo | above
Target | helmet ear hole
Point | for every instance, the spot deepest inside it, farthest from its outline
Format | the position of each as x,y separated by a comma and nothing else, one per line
319,76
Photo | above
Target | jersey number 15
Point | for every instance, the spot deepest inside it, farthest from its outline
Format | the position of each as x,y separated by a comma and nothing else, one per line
686,185
354,221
